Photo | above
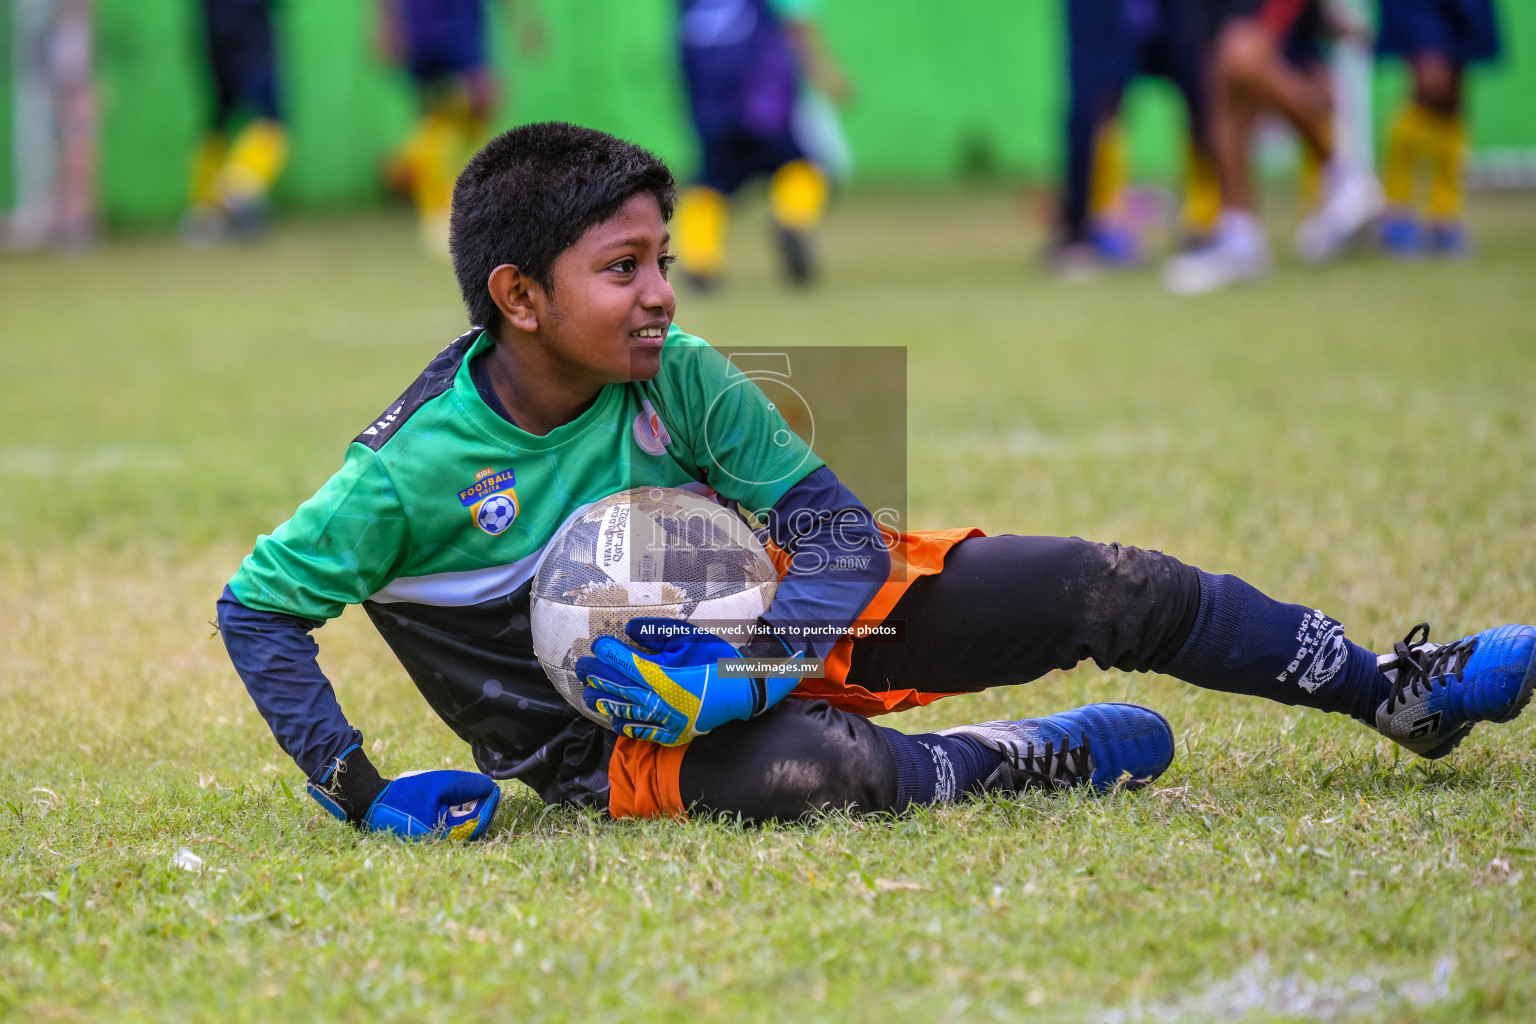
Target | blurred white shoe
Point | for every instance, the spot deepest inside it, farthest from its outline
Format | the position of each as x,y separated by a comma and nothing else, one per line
1351,206
1237,252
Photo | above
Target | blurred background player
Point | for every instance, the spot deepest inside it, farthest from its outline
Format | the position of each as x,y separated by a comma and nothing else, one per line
442,45
1111,43
824,89
54,125
233,175
744,64
1266,57
1438,39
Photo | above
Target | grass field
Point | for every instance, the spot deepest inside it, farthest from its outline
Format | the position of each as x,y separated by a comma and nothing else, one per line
1362,439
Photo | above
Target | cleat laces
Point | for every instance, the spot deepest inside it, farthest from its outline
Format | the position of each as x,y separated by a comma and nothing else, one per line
1418,668
1055,768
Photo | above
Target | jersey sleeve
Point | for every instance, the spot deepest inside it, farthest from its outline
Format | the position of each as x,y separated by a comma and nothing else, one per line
341,545
276,659
736,437
838,562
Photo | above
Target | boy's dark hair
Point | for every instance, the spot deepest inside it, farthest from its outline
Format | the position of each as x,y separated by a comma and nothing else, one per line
530,193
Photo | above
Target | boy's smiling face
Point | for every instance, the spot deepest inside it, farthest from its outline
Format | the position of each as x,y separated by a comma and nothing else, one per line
612,300
607,314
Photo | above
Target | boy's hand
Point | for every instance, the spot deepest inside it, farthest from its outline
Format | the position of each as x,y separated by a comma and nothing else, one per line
440,804
677,693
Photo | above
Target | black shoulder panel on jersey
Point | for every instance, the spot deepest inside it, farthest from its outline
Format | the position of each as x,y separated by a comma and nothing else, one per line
434,380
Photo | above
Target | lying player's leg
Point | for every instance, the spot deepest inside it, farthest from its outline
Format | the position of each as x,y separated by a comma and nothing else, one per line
804,756
1006,610
1010,608
797,757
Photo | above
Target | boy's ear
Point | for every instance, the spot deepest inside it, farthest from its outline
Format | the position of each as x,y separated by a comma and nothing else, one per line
511,291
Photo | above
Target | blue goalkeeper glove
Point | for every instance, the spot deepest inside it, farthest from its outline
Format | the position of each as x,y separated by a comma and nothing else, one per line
440,804
676,693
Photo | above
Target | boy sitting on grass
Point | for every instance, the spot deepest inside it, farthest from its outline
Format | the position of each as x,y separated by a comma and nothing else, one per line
577,385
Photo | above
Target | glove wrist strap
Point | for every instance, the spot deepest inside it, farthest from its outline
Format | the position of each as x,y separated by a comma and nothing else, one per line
766,642
353,783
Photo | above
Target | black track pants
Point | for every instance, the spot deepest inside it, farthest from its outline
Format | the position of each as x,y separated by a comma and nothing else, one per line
1005,610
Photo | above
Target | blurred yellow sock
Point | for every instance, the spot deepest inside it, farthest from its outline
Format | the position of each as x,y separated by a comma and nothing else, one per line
427,162
798,194
403,163
206,162
1309,180
256,157
1202,195
1447,148
702,215
427,153
1406,141
469,130
1111,170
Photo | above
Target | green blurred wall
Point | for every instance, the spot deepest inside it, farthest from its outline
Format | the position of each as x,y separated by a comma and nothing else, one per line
7,168
967,87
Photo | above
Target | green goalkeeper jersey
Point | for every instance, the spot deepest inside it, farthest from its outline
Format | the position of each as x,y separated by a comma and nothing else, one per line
439,515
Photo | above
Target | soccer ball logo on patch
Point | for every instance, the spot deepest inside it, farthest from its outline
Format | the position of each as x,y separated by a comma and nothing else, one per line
496,513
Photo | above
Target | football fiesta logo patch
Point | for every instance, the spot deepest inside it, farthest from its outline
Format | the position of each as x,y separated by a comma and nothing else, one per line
650,433
491,499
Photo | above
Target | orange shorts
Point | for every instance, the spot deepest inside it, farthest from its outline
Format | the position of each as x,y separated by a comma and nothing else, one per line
643,776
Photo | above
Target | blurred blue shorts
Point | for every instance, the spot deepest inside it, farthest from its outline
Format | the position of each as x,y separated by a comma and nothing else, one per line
241,61
443,38
1463,31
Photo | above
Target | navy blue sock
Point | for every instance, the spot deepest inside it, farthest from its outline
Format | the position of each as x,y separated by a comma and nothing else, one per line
933,769
1244,642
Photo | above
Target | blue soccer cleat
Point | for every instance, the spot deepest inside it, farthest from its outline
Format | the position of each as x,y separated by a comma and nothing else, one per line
1115,245
1448,240
1100,745
1402,236
1440,691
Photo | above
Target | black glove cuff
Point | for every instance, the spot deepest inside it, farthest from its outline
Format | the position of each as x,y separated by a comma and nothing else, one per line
354,784
766,642
766,645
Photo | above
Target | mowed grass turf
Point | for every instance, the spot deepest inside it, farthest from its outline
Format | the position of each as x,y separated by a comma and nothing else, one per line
1361,439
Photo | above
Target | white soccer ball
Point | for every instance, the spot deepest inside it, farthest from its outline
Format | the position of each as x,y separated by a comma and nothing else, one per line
647,551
